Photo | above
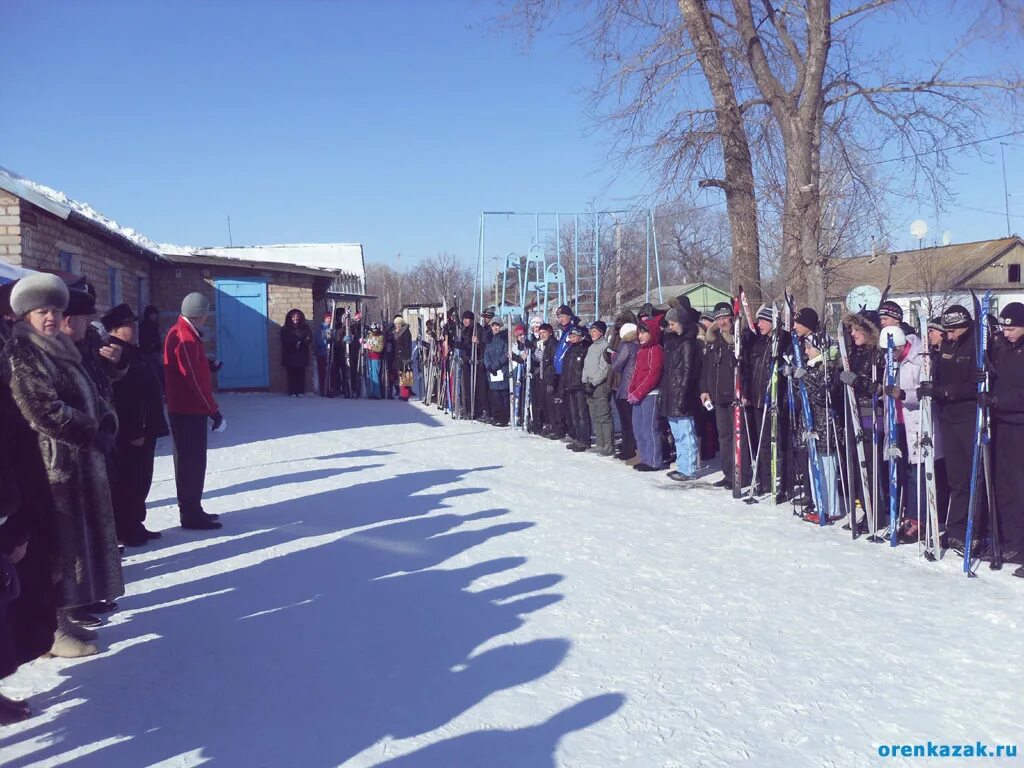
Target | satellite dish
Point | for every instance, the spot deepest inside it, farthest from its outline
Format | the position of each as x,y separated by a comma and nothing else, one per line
862,297
947,237
919,228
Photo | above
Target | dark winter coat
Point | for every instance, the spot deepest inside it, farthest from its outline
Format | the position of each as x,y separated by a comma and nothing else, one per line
680,373
867,362
464,342
403,347
547,361
56,397
759,364
719,368
29,620
149,336
496,362
823,392
956,387
296,341
572,366
138,399
1008,382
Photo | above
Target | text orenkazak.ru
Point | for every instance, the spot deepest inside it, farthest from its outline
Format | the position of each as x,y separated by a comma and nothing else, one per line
932,749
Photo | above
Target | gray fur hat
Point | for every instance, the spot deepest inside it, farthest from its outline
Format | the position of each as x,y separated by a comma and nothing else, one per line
195,305
39,290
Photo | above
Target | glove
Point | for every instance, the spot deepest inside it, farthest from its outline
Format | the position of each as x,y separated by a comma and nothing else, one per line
988,400
588,388
632,400
104,438
799,373
895,392
925,389
219,422
849,378
787,370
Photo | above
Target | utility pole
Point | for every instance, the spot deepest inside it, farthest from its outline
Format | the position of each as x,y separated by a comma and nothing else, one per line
1006,192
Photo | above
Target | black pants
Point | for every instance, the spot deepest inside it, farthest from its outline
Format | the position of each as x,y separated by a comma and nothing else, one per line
135,478
296,380
498,407
553,408
628,445
579,415
1007,450
958,447
726,444
189,431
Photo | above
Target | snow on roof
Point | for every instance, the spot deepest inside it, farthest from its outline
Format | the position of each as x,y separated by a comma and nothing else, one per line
61,205
346,258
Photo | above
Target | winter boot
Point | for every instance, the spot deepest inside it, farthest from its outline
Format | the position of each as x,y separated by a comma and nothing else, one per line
67,646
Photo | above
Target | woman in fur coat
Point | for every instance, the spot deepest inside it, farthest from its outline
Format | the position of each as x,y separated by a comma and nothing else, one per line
74,426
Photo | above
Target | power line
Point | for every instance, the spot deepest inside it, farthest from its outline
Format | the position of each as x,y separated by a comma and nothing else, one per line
944,149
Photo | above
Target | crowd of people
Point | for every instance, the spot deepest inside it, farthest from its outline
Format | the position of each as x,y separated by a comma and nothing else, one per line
83,401
668,390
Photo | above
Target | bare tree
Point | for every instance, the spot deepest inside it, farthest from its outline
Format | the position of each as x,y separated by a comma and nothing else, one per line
439,279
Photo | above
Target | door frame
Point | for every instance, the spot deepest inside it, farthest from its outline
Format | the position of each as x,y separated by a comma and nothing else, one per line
265,313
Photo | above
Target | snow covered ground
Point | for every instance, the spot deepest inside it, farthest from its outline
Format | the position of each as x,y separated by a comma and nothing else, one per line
392,588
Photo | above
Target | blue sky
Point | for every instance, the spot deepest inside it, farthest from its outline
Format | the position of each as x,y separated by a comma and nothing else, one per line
392,122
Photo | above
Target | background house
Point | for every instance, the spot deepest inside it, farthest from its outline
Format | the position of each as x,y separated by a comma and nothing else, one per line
702,296
250,288
929,280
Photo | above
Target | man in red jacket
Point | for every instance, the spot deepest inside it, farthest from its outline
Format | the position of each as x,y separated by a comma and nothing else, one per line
189,404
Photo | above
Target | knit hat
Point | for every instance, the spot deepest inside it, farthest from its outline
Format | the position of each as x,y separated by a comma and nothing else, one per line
489,312
546,327
682,302
519,329
38,290
764,312
891,309
118,317
599,325
578,330
194,305
496,321
563,310
723,309
627,332
808,318
467,315
894,332
705,317
536,321
80,303
956,317
672,316
935,324
399,320
647,310
1012,315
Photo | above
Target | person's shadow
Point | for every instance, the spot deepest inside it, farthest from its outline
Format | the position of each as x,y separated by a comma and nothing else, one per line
308,643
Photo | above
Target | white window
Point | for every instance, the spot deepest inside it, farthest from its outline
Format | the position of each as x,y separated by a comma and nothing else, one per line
142,283
69,261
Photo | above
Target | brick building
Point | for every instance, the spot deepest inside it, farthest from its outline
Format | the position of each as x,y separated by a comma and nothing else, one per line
251,289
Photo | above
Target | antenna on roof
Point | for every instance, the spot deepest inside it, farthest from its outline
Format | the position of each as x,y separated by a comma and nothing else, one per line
230,243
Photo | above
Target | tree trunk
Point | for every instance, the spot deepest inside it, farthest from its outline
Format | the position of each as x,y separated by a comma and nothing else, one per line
738,184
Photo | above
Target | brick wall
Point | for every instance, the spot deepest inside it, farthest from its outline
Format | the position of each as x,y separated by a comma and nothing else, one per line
285,291
42,236
10,228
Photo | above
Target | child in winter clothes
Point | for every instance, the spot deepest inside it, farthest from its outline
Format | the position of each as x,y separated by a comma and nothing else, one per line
323,339
496,363
623,361
595,385
573,389
374,346
643,395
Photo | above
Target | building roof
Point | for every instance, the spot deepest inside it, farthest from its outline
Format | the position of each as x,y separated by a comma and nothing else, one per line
955,264
65,208
671,291
330,258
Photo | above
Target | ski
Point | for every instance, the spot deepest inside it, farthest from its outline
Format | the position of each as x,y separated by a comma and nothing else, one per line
893,453
809,437
981,417
774,402
926,445
755,465
858,435
737,405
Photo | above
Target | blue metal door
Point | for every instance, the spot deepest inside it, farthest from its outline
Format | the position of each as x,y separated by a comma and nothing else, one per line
242,334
